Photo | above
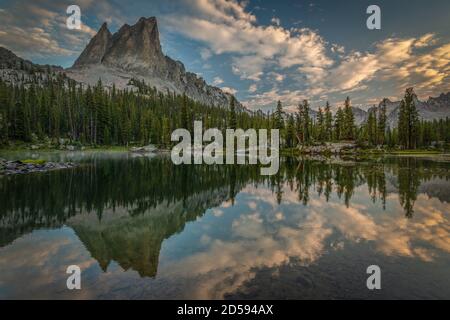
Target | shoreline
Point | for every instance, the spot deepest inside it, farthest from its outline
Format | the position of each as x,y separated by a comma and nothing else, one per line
285,151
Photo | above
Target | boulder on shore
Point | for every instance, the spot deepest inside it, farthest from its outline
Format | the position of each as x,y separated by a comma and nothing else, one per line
146,149
28,166
329,148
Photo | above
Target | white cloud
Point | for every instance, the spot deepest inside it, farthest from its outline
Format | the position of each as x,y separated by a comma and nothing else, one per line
278,77
217,81
229,90
426,40
253,88
276,21
205,53
335,48
257,50
249,67
39,29
225,27
353,70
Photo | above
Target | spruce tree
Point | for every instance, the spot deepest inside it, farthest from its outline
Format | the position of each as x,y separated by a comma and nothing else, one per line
382,118
371,127
290,132
305,122
339,124
232,122
328,123
279,121
320,126
184,113
408,121
349,121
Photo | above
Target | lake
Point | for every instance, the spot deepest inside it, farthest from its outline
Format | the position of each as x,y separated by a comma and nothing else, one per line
142,228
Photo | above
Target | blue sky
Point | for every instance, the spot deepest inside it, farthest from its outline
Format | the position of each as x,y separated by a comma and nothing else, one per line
263,51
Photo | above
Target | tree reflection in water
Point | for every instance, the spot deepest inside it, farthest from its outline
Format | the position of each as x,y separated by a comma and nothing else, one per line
123,209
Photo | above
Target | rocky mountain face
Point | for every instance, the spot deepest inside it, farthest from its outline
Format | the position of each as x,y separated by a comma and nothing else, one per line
360,115
96,49
15,70
135,52
10,61
432,109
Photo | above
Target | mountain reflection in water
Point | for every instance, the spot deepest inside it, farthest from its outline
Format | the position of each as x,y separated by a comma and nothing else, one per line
144,228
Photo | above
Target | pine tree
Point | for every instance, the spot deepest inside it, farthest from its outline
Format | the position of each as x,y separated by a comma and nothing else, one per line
408,121
4,106
349,121
339,123
279,121
371,127
290,132
320,125
304,122
328,123
382,118
184,113
414,124
232,122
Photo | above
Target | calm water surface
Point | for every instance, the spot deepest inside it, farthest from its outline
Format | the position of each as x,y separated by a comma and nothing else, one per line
142,228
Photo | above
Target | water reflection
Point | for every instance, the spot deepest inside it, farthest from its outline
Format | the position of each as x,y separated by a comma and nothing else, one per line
134,215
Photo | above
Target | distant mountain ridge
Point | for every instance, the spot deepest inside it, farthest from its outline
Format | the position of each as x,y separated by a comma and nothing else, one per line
135,52
432,109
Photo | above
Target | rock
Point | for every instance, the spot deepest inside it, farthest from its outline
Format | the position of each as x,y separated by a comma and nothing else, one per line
134,52
96,48
18,167
71,148
329,148
34,147
145,149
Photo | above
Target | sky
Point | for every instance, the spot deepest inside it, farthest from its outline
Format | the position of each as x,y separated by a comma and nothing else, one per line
260,50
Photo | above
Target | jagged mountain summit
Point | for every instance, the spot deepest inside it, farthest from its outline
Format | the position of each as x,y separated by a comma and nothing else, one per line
96,49
135,52
432,109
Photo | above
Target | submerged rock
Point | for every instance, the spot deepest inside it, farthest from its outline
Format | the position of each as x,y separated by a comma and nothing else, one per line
23,167
146,149
330,148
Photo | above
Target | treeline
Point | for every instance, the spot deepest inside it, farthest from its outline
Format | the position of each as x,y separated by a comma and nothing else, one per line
410,132
53,106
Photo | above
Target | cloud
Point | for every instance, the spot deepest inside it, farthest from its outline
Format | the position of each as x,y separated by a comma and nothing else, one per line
253,88
229,90
352,71
277,76
395,61
39,29
205,53
274,54
335,48
275,21
426,40
268,99
217,81
226,27
249,67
